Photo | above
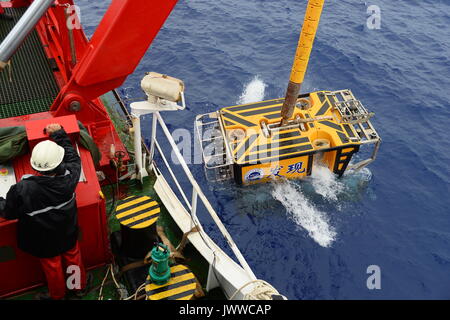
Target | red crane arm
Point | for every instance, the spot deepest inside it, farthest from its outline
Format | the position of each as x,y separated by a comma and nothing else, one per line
119,43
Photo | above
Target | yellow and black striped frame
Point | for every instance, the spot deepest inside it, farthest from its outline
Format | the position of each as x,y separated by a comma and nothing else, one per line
257,157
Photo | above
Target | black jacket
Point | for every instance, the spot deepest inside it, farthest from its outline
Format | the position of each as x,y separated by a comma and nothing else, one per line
46,207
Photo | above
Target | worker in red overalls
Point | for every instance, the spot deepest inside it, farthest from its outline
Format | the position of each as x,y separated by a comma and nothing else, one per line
46,209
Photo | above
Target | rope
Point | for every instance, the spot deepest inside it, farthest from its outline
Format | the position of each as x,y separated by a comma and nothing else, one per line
263,291
114,277
134,296
174,253
184,240
100,296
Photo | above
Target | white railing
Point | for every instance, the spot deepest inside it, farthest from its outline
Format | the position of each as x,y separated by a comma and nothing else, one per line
196,190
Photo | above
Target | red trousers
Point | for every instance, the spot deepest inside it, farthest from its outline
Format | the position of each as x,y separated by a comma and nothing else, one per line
1,9
58,267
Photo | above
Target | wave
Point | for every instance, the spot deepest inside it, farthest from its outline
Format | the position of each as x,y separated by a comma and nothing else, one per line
326,184
298,198
254,91
304,213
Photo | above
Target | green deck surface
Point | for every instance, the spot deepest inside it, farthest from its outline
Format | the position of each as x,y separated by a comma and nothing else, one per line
194,260
29,86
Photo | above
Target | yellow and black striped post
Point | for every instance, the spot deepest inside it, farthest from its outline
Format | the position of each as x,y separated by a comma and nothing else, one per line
137,212
137,216
301,60
181,286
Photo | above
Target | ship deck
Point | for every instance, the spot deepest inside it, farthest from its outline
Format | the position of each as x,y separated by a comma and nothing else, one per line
133,278
27,92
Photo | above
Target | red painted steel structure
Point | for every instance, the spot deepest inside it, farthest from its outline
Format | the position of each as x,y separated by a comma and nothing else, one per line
86,70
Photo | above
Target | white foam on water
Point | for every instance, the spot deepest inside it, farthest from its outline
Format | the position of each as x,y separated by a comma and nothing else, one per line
363,175
326,183
304,213
253,92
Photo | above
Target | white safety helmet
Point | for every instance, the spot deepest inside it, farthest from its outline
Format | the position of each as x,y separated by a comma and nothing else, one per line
46,156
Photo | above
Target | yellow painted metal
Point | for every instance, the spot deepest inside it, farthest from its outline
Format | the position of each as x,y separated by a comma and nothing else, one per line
306,41
288,152
138,212
301,60
277,169
181,286
139,208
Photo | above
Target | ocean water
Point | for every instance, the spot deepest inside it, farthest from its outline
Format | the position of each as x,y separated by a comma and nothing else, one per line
316,239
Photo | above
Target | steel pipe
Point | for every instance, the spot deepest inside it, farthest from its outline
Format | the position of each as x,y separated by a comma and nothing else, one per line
301,60
23,27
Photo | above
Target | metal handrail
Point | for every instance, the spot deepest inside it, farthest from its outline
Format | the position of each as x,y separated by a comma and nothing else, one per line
158,147
197,192
228,152
22,28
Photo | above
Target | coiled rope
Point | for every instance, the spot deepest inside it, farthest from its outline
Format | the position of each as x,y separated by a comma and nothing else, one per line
262,291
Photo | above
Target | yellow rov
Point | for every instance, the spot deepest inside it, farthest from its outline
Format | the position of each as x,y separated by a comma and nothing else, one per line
266,140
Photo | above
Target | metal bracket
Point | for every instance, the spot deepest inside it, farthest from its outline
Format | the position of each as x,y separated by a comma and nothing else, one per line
216,153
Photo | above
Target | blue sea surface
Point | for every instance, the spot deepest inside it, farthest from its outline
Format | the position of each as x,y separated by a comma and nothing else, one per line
316,239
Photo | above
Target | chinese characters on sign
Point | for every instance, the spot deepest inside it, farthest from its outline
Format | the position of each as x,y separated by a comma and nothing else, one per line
292,169
296,168
275,172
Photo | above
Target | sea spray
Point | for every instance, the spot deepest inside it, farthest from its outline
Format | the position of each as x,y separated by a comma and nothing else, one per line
326,183
352,186
303,212
253,92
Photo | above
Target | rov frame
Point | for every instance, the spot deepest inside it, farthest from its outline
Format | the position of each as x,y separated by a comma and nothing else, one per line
338,116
